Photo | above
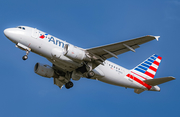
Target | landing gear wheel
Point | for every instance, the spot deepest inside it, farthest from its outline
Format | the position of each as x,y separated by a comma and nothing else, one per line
90,74
69,85
25,57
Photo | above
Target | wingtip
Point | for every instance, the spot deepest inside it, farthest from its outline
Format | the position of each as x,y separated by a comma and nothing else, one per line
173,78
157,37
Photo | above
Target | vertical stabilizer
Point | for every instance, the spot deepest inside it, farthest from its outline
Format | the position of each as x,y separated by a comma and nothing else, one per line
148,68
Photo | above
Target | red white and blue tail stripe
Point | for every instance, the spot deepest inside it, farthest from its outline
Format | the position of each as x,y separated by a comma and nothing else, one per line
148,68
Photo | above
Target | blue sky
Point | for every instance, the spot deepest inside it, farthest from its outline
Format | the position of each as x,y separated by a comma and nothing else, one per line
90,23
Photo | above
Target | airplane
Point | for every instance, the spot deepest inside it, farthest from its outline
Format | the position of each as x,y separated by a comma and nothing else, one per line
70,62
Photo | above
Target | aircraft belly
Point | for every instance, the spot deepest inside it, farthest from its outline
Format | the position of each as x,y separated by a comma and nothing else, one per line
64,65
120,81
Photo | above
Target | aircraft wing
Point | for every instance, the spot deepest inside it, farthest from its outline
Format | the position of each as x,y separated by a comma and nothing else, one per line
112,50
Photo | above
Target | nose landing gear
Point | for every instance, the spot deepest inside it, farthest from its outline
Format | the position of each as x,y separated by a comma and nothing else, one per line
25,57
23,47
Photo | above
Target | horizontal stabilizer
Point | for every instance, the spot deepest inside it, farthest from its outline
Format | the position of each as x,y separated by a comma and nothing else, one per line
158,81
138,91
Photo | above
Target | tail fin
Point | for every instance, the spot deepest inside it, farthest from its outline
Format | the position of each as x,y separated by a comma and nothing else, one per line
148,68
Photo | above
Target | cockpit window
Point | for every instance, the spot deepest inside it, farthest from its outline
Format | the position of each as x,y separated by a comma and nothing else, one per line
21,27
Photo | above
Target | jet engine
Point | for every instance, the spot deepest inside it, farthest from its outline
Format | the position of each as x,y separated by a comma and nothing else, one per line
43,70
75,53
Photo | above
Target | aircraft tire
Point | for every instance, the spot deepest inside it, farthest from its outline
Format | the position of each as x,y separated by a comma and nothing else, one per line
25,57
69,85
90,74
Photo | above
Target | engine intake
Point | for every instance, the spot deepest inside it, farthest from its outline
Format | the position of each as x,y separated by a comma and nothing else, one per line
75,53
43,70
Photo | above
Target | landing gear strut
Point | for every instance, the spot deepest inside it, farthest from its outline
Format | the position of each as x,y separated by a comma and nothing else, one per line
90,73
26,56
69,85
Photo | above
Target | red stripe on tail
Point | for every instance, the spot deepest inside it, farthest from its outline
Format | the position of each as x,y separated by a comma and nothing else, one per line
157,63
149,74
152,68
159,57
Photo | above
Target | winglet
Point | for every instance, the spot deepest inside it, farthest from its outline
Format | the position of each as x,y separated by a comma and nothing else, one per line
157,37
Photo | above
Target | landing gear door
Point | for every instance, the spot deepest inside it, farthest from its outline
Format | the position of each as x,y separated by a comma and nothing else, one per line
34,33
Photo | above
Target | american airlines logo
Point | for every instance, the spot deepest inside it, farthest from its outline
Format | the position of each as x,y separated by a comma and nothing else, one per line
43,36
52,40
56,42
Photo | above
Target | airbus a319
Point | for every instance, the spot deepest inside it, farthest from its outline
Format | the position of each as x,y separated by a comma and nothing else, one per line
70,62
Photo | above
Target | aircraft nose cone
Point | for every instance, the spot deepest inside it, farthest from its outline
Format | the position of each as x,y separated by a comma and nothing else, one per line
12,34
6,32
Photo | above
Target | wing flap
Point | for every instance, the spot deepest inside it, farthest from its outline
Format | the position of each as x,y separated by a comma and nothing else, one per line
158,81
120,51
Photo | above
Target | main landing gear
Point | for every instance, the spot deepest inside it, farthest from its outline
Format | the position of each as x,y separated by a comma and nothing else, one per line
25,57
69,85
86,70
90,74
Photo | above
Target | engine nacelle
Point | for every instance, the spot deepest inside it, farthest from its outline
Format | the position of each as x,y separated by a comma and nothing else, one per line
75,53
43,70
